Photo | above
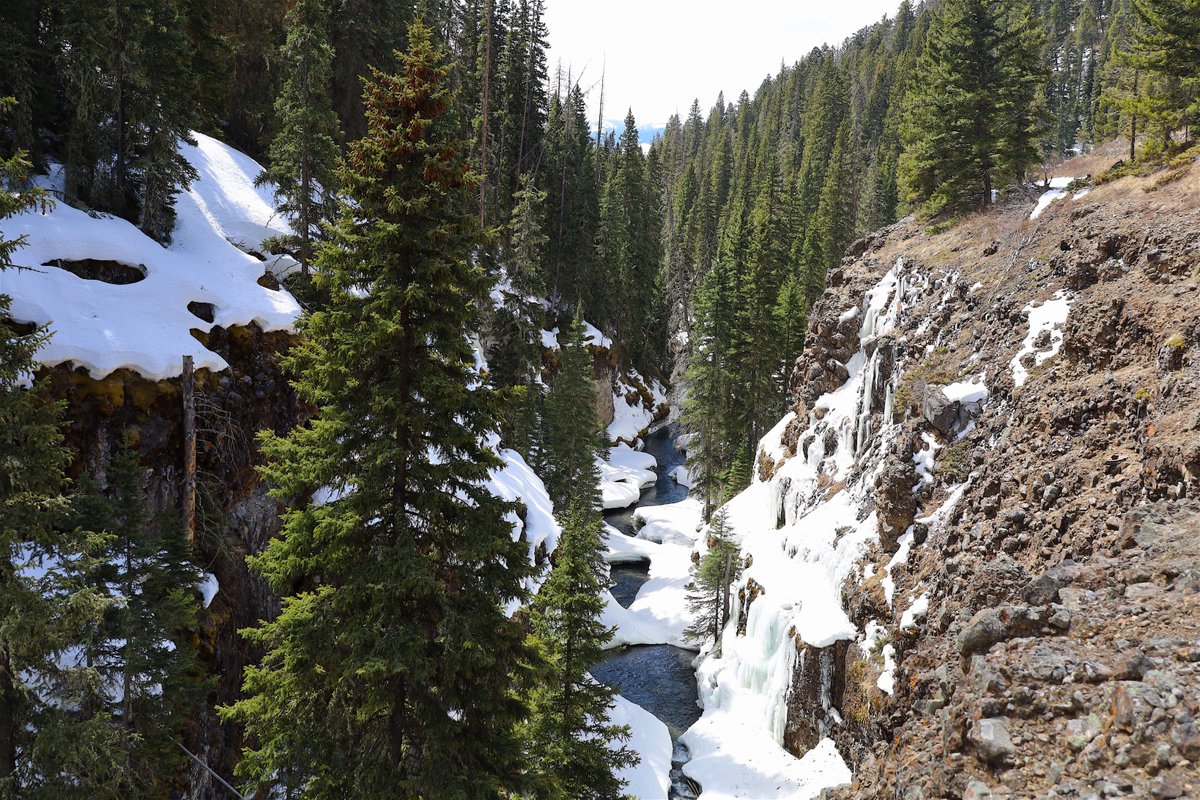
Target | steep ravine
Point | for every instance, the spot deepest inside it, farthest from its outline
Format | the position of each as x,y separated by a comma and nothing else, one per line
972,549
657,677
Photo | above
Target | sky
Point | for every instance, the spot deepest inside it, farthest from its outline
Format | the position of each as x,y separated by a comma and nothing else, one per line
657,55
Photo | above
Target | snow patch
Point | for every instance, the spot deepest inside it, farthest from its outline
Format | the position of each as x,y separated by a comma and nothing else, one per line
208,587
1050,316
146,326
649,779
1057,190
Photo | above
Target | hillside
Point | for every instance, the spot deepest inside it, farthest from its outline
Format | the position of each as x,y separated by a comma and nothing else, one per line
123,310
971,552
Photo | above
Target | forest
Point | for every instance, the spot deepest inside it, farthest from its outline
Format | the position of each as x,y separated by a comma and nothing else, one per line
426,156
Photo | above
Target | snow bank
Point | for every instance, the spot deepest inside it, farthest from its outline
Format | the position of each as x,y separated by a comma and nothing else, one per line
683,477
1057,191
970,392
146,326
757,767
659,614
650,779
623,476
804,532
1050,316
632,419
516,482
676,523
208,587
622,549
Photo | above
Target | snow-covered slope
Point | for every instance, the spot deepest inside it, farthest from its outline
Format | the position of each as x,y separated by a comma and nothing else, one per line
146,325
803,532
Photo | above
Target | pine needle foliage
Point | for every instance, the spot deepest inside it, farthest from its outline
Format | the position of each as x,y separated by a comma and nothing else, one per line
390,671
569,736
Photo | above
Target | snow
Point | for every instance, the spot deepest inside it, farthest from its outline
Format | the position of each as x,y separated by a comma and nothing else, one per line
756,767
887,678
970,392
593,336
1049,316
923,459
146,326
874,635
675,523
649,738
550,339
659,614
631,419
624,549
623,476
805,532
1057,191
905,543
683,477
208,586
914,612
516,482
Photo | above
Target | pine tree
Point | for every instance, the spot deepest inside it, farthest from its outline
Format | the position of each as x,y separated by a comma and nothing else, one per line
1167,44
572,431
706,408
832,226
390,671
969,129
574,749
31,489
712,575
303,154
128,82
45,752
143,647
514,351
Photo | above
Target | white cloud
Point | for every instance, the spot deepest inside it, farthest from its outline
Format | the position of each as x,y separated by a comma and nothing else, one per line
660,54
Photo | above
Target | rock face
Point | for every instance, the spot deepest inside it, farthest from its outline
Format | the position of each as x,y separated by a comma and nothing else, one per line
1059,654
232,405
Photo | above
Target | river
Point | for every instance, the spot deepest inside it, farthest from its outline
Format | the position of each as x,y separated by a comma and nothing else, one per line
659,678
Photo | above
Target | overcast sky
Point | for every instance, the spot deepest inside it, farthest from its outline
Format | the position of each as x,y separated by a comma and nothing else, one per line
662,53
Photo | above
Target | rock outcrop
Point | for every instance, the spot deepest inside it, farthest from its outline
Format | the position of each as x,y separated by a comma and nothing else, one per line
1042,632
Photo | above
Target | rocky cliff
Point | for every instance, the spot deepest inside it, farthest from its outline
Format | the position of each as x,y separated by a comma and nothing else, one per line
1009,410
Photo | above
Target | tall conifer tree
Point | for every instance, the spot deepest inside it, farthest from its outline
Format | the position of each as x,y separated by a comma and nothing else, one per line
391,670
303,154
970,127
574,748
572,433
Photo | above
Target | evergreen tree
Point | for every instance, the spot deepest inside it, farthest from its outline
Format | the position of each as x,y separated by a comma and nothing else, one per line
45,752
712,575
514,350
31,493
706,408
572,210
390,671
128,82
832,225
569,737
969,128
143,647
1167,44
572,431
303,154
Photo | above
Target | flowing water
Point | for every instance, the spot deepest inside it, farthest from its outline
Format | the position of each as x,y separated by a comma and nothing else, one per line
659,678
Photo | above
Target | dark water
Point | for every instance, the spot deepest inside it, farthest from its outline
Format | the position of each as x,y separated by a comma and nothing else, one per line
627,579
661,445
659,678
